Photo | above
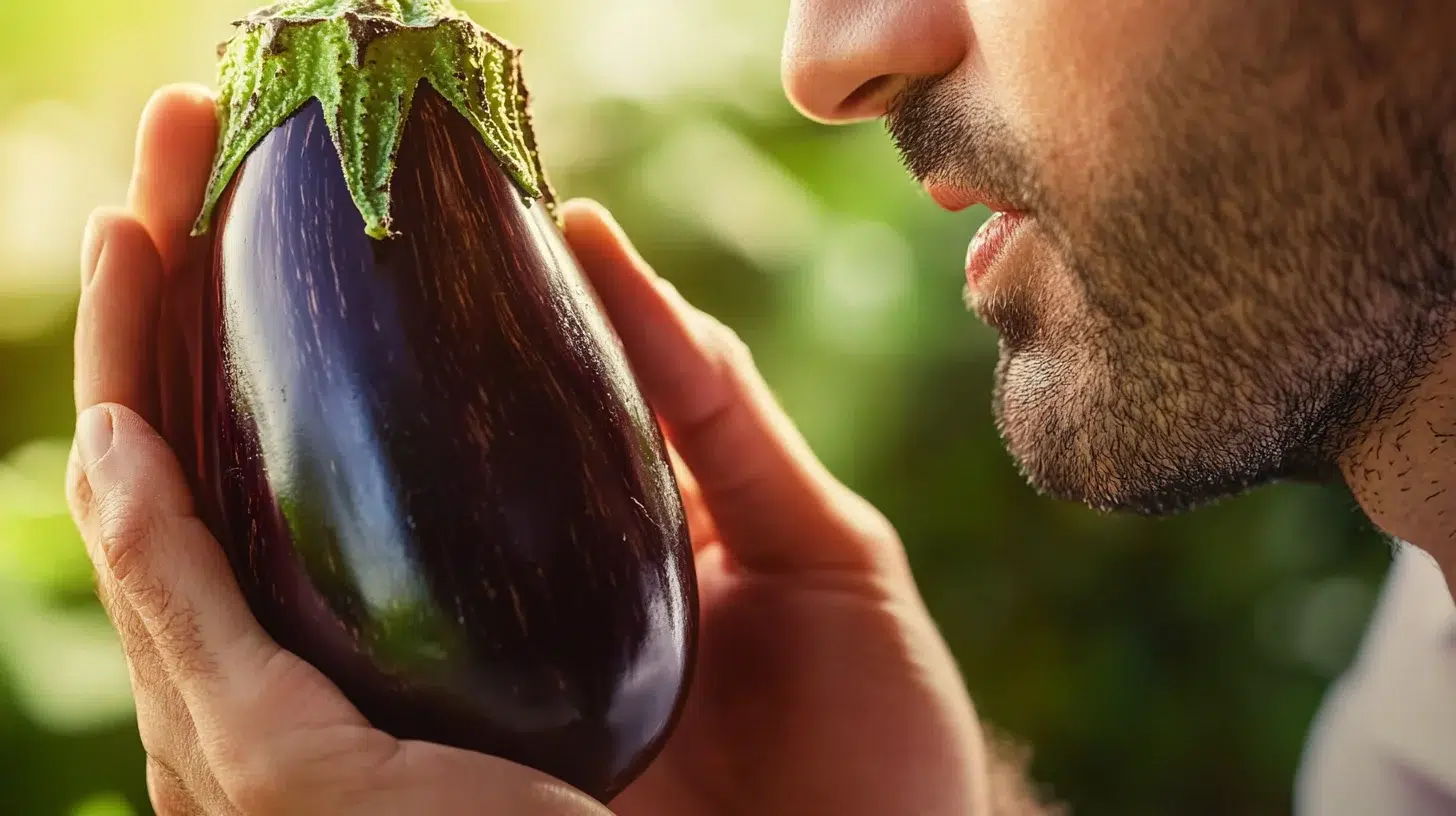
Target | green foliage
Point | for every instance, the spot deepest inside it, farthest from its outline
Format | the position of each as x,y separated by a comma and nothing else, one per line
104,804
1156,666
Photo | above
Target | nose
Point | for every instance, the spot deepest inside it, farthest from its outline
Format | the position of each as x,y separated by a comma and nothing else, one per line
844,60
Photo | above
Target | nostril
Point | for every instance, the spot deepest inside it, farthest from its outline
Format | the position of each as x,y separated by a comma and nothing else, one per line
869,99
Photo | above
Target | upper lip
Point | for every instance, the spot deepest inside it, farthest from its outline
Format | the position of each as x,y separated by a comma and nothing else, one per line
956,198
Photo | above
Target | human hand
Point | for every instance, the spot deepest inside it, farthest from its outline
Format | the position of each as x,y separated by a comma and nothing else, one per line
822,684
230,722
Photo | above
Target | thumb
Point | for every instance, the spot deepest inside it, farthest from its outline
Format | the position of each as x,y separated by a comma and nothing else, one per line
152,552
775,504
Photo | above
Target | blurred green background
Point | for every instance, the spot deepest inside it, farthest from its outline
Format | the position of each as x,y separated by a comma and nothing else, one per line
1157,666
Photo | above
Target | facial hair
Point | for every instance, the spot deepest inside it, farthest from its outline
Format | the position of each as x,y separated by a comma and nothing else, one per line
1261,275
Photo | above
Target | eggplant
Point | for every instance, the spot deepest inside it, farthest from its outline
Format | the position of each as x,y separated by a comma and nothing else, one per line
407,419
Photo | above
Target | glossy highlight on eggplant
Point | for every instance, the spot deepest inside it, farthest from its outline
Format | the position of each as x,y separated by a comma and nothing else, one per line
429,462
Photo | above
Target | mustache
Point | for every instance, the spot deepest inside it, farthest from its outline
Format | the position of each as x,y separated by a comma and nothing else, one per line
950,134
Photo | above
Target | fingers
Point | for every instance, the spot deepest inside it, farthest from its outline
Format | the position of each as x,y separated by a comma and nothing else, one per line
116,334
774,503
153,554
120,275
701,527
116,326
211,687
167,730
176,143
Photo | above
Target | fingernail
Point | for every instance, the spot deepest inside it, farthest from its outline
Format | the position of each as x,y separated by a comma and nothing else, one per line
580,203
91,248
93,434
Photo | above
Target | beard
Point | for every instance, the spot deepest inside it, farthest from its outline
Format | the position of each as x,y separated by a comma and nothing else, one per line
1260,269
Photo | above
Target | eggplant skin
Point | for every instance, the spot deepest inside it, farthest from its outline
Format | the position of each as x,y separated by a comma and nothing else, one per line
429,462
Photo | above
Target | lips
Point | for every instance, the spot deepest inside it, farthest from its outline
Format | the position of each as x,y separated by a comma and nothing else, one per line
995,236
991,243
955,199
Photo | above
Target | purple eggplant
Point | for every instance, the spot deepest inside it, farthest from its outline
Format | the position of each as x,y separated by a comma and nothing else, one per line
408,421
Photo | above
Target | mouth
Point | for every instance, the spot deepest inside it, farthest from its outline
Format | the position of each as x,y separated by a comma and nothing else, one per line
955,198
995,239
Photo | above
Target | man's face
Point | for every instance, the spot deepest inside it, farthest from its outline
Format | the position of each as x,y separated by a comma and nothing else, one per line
1239,215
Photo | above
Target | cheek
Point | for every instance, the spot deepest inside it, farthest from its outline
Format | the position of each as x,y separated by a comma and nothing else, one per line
1069,74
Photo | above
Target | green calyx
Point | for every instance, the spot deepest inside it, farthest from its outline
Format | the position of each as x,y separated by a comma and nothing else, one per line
363,60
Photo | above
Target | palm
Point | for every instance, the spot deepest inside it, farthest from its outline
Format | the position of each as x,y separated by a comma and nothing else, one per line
828,693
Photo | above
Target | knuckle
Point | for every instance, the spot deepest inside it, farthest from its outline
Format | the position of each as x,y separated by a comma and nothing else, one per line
861,517
670,292
727,345
875,525
882,541
710,401
150,617
125,533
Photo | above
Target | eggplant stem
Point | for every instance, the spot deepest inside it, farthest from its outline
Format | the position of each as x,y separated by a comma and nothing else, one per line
363,61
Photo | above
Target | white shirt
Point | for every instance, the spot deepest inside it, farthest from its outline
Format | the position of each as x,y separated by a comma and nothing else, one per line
1384,743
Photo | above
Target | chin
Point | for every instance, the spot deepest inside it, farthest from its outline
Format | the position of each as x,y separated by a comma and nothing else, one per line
1127,486
1106,494
1098,453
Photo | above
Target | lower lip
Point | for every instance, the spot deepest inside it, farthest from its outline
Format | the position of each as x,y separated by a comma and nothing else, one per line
991,242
